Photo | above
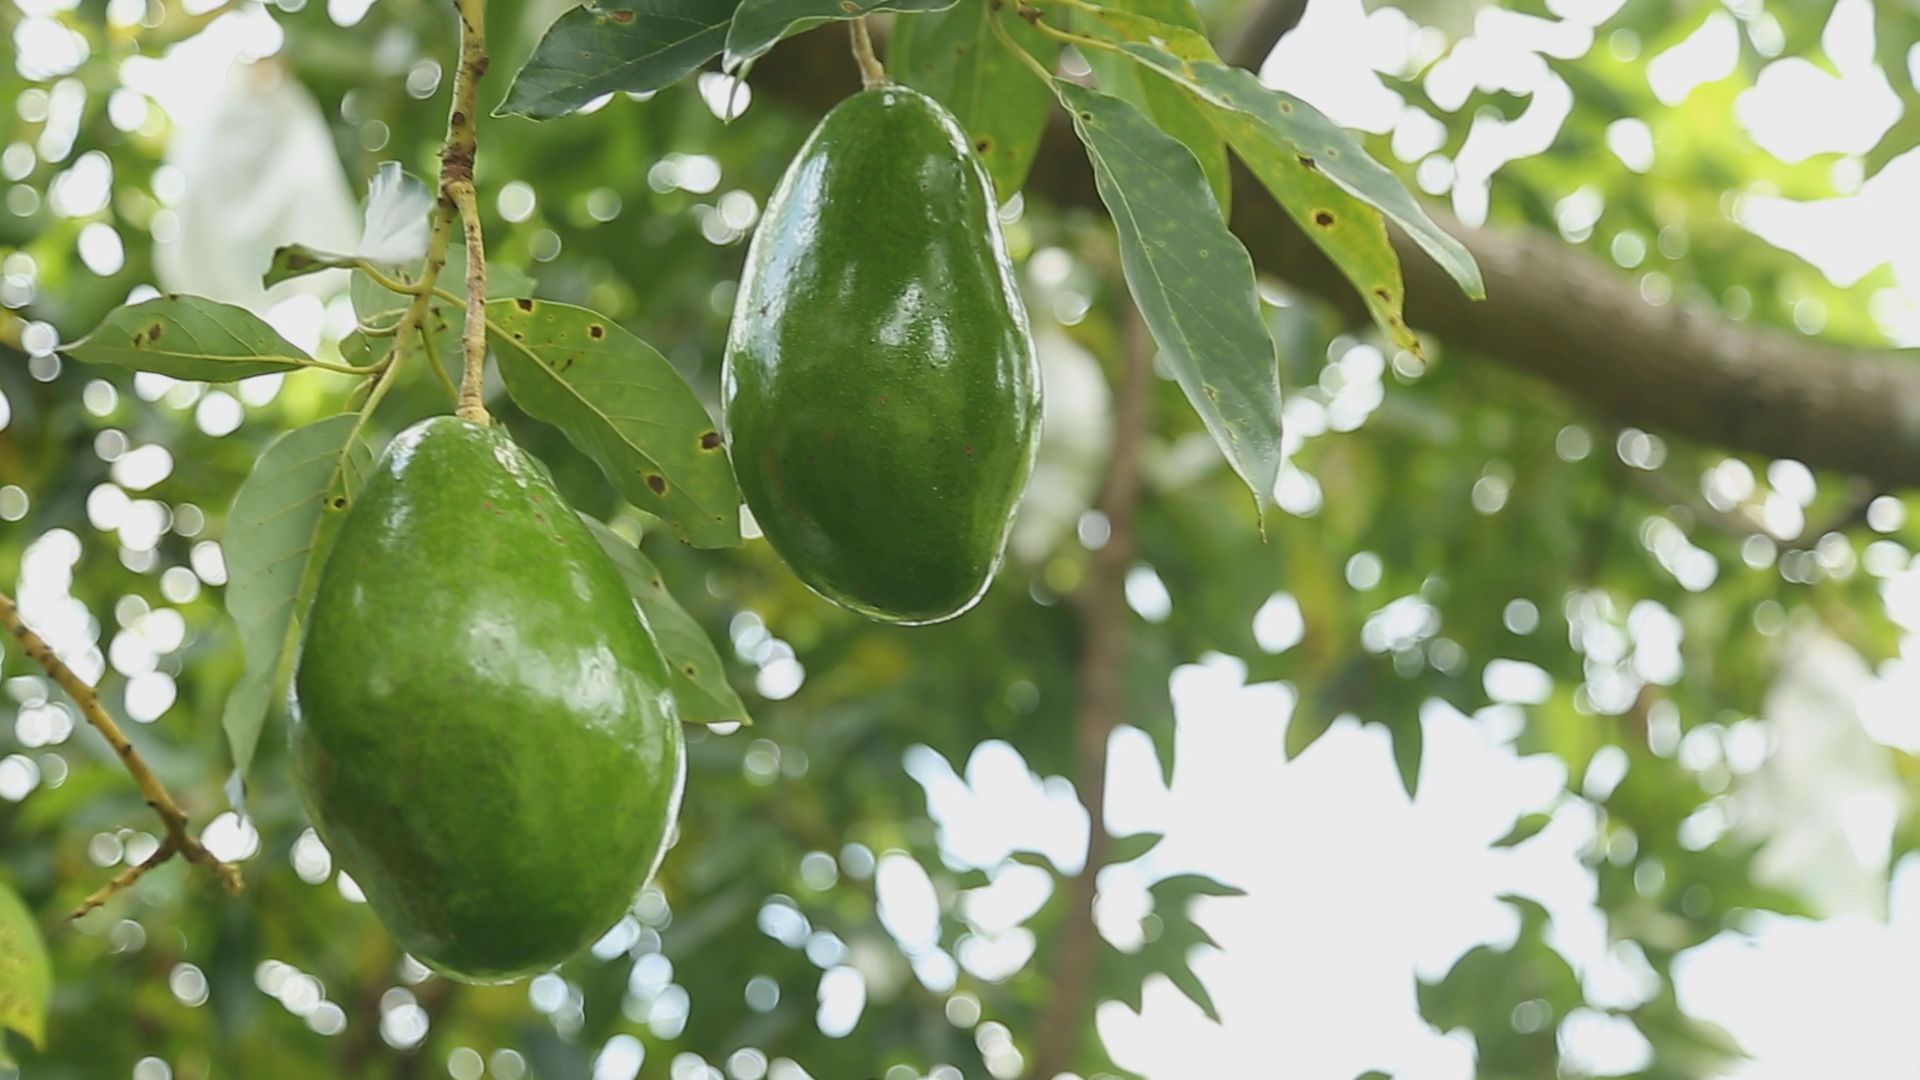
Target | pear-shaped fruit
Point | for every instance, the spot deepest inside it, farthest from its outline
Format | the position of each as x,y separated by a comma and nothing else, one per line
882,397
481,723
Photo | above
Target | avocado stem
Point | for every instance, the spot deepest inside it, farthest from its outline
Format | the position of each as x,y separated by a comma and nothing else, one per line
871,73
458,196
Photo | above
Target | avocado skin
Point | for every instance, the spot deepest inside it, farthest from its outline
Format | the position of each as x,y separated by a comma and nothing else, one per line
480,721
882,399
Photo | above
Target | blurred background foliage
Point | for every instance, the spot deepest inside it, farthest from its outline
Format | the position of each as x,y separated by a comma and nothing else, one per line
1448,532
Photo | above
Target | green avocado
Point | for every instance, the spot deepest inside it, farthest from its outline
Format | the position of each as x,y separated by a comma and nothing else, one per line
481,723
882,400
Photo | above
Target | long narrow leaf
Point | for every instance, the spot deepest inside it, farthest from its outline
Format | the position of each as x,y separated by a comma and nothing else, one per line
1191,279
283,517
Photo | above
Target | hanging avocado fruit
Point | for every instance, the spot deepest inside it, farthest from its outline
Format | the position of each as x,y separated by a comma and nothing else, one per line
881,393
481,724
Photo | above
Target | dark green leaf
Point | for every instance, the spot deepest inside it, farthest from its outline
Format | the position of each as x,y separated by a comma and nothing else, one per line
188,337
1183,977
1524,830
700,686
26,976
625,407
1032,858
955,57
758,24
1129,848
1192,280
298,260
638,48
1187,886
283,516
1409,742
1310,720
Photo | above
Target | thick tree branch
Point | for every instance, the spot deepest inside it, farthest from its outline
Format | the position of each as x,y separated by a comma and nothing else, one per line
1552,311
1261,30
1103,621
178,840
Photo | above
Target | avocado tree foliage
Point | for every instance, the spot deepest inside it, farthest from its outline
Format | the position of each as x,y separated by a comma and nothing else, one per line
542,314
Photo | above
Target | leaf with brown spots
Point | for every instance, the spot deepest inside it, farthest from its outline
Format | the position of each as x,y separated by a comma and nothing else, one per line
1187,58
624,406
26,975
188,337
699,679
1353,234
953,57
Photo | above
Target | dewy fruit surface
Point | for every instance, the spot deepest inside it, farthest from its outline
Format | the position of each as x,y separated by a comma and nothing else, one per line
481,724
882,396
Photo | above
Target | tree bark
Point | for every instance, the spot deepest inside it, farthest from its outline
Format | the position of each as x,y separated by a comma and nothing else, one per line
1552,311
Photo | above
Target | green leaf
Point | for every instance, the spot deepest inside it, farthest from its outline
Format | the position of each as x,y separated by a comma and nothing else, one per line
955,57
188,337
1188,886
1183,977
700,686
299,260
638,47
1332,151
1171,108
1192,280
625,407
1129,848
759,24
283,517
1310,720
26,975
1188,59
1524,830
1409,744
1353,234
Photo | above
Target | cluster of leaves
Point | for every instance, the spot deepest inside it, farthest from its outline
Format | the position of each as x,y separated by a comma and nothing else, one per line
1399,487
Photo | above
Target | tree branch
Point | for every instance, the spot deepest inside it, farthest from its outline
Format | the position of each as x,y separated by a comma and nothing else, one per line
1103,620
1264,26
1552,311
178,840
